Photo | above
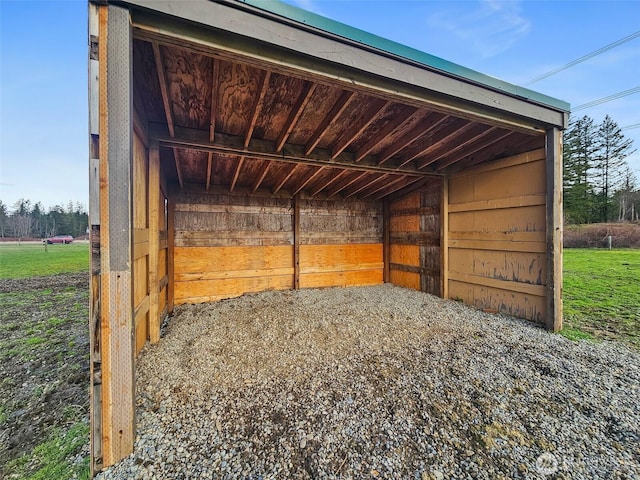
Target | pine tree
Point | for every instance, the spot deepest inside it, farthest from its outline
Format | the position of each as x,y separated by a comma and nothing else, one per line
578,158
612,150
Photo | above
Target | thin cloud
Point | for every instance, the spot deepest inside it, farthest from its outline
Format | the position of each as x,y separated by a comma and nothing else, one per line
490,28
309,5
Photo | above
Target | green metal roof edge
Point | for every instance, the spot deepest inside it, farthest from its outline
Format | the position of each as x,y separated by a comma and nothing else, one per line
334,27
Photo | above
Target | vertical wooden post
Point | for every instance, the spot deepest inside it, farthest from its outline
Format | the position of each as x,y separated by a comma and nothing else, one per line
171,249
296,241
554,229
386,239
112,353
153,205
444,238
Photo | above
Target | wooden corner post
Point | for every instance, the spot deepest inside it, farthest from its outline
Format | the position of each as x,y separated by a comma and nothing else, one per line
111,318
554,229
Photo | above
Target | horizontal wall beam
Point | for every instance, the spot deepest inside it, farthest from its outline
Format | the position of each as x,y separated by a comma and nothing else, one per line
233,145
526,288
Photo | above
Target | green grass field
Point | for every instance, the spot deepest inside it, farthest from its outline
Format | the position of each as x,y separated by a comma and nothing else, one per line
601,295
31,260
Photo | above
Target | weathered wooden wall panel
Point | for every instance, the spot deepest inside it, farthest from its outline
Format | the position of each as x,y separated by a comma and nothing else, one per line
340,243
140,270
414,253
496,236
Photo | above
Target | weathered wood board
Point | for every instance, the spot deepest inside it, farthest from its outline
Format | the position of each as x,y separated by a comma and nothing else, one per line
496,237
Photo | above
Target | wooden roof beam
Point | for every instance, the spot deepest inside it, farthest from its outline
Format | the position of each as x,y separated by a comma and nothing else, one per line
394,188
296,113
384,186
257,106
499,150
329,119
232,145
491,137
368,117
163,87
344,185
439,130
412,135
331,181
366,185
260,178
385,131
209,166
236,173
176,159
310,176
214,98
462,135
284,179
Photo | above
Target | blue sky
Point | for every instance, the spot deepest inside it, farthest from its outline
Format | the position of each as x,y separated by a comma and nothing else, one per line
43,69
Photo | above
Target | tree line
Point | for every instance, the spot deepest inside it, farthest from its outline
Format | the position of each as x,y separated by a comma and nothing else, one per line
599,186
30,220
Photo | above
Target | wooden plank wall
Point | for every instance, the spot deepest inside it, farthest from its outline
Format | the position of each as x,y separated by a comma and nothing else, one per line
496,236
227,245
230,244
149,243
340,243
414,251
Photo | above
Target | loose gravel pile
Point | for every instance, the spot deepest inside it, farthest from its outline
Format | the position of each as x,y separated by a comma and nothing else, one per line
378,382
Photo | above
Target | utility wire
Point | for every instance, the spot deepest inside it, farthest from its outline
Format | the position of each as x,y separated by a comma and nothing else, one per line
631,127
599,101
585,57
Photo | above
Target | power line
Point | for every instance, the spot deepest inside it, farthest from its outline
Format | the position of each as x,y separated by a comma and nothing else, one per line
585,57
599,101
631,127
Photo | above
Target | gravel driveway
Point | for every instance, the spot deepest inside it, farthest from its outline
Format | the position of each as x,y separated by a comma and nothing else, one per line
378,382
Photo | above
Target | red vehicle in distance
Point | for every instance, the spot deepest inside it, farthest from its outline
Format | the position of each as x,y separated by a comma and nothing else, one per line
60,239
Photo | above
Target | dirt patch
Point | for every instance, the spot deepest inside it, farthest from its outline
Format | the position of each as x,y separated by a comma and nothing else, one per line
44,360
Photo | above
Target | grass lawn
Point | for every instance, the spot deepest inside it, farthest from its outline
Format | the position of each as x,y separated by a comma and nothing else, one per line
31,260
601,294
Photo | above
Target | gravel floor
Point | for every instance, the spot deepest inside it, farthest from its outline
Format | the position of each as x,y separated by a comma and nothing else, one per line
378,382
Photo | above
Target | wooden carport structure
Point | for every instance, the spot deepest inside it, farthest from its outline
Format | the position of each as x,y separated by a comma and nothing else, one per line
242,146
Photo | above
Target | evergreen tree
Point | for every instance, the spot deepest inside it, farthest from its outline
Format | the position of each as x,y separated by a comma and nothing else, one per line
610,163
578,158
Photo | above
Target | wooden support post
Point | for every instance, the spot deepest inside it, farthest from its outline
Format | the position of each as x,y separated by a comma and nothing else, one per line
554,229
386,240
444,238
112,353
154,239
296,242
171,249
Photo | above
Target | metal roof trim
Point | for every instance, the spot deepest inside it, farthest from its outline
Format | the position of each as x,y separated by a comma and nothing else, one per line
375,42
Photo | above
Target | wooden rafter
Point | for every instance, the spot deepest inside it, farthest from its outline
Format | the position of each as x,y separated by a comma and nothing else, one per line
367,184
236,174
163,87
346,184
463,135
372,113
232,145
284,179
331,181
384,186
296,113
209,166
328,120
394,188
434,135
257,106
310,176
176,159
260,178
389,127
478,144
214,98
432,120
500,149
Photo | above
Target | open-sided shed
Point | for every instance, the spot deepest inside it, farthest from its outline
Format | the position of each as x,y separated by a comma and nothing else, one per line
243,146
